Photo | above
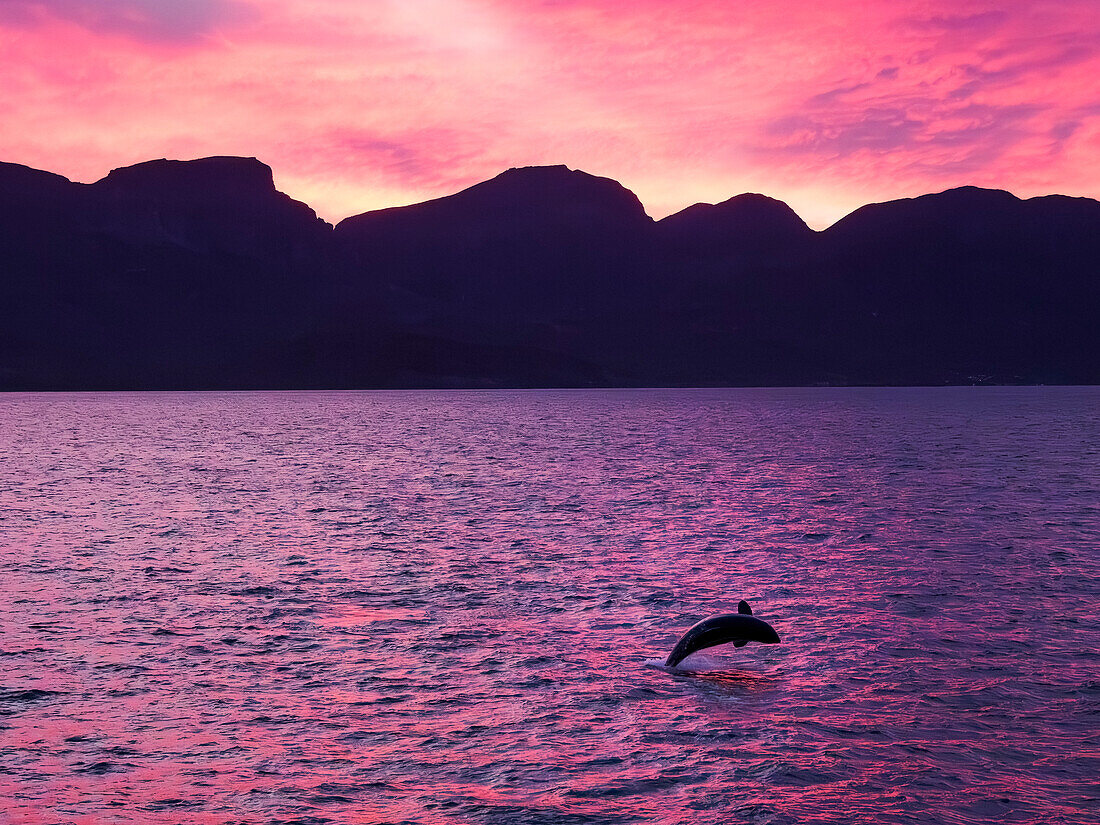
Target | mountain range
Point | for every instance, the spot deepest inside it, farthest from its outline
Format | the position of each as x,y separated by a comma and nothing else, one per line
201,275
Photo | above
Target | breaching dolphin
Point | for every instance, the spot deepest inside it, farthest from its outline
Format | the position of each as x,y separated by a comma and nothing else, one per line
740,628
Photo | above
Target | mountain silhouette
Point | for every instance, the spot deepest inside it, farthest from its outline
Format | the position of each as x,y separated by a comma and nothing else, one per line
969,282
542,257
201,274
744,227
165,274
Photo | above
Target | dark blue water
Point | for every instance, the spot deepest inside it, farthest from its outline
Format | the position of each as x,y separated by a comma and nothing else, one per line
452,607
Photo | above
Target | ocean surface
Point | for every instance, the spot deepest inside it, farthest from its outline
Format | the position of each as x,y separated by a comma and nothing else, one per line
453,607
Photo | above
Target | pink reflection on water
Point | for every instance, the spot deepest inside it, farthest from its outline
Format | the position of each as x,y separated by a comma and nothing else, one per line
295,632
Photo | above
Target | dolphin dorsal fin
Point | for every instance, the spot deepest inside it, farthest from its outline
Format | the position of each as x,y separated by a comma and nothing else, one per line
743,607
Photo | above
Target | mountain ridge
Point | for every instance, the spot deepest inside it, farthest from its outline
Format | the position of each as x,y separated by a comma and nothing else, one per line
201,274
9,169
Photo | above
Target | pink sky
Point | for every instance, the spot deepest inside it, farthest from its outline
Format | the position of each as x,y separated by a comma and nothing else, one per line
361,104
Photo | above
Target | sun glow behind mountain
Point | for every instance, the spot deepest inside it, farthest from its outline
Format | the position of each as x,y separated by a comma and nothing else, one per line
825,104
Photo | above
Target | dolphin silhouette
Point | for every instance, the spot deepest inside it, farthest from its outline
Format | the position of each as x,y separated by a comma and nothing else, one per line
740,628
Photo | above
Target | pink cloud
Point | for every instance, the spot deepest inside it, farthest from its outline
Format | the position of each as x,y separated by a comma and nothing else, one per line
164,21
825,103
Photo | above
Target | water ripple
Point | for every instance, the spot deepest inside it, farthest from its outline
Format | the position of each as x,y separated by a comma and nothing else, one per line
454,607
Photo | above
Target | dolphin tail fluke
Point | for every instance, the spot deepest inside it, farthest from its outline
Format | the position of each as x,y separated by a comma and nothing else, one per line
743,607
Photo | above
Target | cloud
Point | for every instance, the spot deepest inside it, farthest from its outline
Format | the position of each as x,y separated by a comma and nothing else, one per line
969,25
825,103
996,97
159,21
881,129
425,160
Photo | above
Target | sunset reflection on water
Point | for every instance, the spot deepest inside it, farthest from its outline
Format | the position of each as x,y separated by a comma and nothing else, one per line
453,607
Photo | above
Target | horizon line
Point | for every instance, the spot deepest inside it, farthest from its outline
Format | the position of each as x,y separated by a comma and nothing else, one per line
545,166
